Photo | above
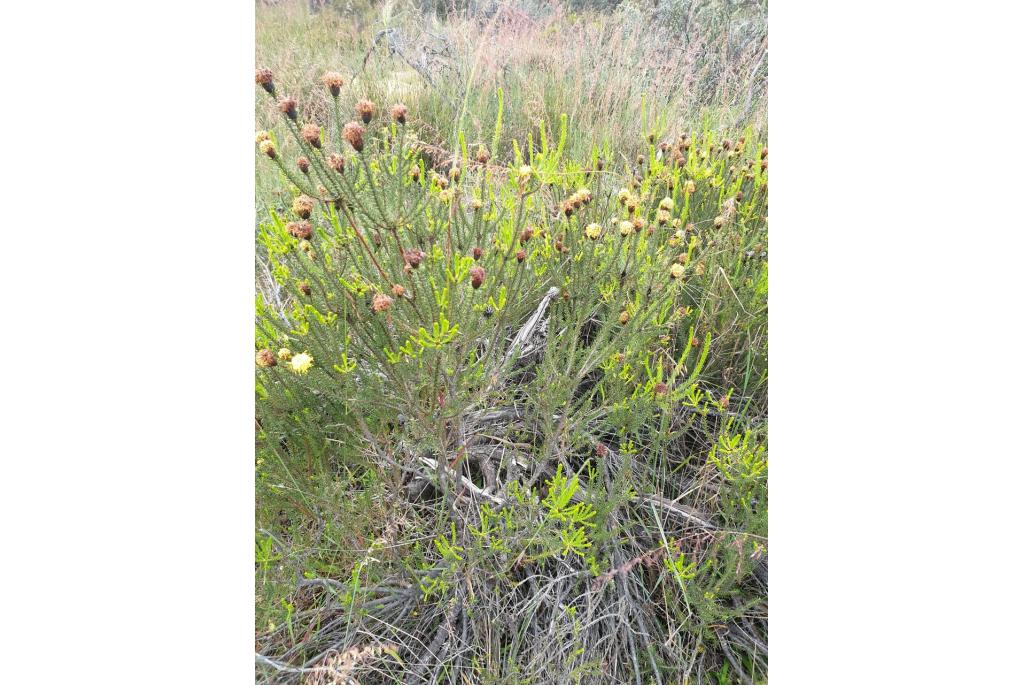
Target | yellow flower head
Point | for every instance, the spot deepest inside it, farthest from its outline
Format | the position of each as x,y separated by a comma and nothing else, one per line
302,362
677,270
261,136
623,195
284,354
666,204
524,172
625,228
593,231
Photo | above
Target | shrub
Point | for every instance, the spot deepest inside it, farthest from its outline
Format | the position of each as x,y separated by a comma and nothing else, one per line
544,382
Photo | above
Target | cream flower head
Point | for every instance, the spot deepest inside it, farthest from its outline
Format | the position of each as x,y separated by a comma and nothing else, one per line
677,270
302,362
593,231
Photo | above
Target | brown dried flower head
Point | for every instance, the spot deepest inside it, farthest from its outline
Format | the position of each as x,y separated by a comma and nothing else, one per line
303,164
303,206
414,173
353,134
311,134
414,257
624,317
300,229
265,78
660,389
397,290
476,276
399,112
455,173
525,236
336,162
483,155
365,109
265,358
520,255
306,290
477,253
288,106
334,81
381,302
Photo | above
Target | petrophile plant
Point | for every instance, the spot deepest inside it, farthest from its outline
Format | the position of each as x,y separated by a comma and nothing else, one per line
554,373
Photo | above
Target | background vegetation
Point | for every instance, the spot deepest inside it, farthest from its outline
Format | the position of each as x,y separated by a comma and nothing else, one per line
512,355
